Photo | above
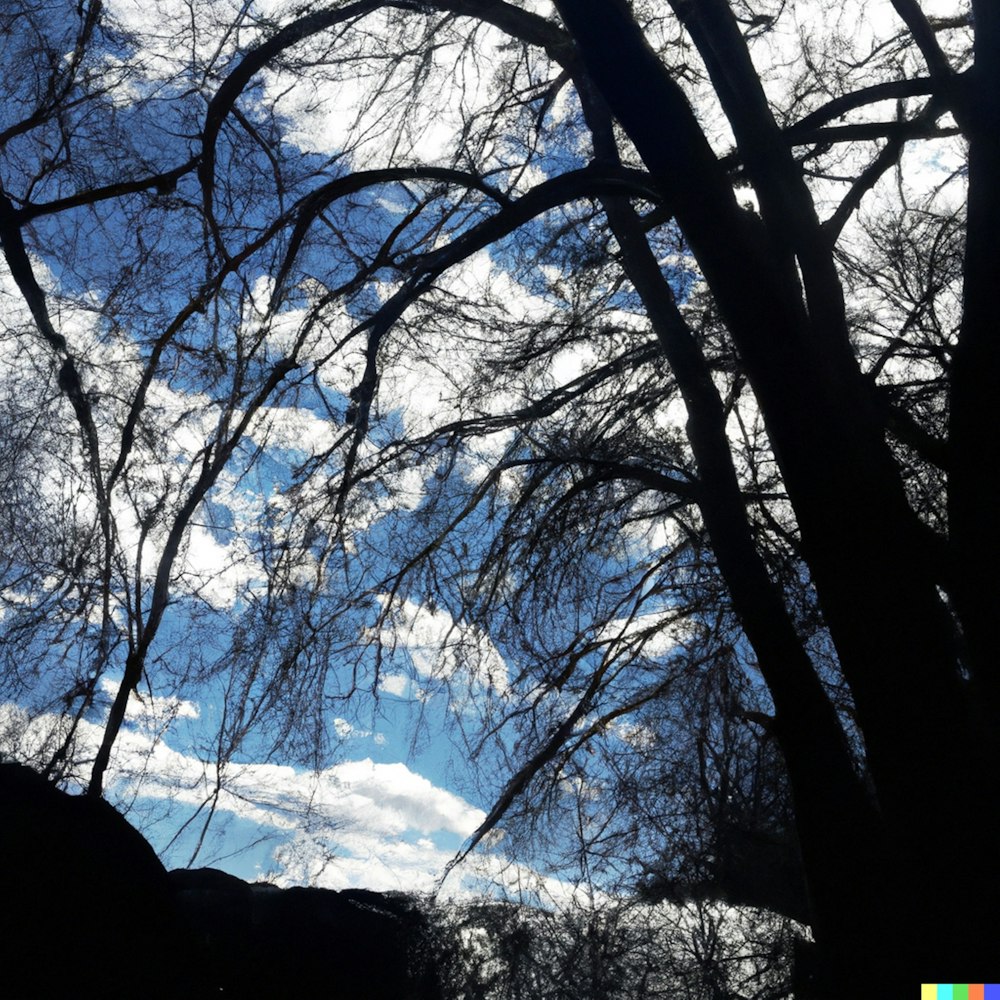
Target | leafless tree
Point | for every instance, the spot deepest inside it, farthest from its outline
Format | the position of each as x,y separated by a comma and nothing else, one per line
699,299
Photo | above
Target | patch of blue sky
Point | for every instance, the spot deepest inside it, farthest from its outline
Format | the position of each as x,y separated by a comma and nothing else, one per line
410,785
676,260
561,149
113,240
563,242
241,846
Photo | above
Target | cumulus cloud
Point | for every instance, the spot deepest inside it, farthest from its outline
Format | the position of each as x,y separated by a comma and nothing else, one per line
439,647
356,823
400,799
152,708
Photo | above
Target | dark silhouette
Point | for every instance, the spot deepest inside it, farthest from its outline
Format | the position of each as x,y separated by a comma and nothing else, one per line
843,549
258,940
88,909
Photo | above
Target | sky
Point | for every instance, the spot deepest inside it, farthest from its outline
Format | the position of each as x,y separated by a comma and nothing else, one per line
373,821
400,796
384,816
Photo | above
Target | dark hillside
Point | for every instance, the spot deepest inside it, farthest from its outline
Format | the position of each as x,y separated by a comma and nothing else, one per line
88,909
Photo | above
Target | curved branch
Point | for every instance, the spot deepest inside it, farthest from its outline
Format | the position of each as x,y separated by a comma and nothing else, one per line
23,273
607,470
593,181
251,64
924,35
528,27
889,91
164,183
887,157
316,202
897,131
590,181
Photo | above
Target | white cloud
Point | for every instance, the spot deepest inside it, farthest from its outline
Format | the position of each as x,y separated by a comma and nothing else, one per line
156,25
394,684
441,648
216,572
348,731
423,122
357,823
656,634
400,799
152,708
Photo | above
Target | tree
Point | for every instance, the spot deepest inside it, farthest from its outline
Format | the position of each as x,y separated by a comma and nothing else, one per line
698,951
626,216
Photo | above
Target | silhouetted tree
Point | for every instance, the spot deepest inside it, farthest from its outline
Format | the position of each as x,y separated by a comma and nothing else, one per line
702,294
614,948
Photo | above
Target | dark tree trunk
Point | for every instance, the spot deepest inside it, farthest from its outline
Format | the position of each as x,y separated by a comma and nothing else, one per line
875,579
974,433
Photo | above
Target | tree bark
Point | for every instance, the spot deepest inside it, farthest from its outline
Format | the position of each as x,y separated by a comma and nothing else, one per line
895,640
974,432
831,806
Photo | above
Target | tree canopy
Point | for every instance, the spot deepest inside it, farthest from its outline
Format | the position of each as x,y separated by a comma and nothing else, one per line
631,366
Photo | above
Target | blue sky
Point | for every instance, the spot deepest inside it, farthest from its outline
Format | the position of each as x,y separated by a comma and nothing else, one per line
262,569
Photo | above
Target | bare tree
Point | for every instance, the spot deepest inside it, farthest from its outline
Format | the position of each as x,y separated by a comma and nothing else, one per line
698,296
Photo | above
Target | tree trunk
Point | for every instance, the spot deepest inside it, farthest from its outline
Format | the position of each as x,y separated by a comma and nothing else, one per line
875,581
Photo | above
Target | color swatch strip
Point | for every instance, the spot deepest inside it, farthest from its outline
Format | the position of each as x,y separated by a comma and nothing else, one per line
960,991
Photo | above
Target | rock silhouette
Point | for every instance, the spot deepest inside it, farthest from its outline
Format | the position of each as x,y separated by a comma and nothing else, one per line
88,909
